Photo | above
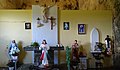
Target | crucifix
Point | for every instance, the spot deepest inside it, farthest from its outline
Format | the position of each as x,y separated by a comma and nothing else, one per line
52,19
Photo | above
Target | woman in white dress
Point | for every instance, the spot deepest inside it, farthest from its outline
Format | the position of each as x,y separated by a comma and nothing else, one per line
44,47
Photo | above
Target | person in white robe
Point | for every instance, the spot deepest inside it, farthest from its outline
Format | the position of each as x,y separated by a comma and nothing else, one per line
44,47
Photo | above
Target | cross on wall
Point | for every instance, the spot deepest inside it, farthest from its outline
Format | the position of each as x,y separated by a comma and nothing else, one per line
52,19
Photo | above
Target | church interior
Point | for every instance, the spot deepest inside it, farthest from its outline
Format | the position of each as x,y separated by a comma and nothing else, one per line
61,23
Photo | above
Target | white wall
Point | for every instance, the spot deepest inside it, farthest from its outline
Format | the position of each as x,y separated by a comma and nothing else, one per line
44,32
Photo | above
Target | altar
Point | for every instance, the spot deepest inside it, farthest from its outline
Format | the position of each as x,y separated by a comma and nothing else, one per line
53,54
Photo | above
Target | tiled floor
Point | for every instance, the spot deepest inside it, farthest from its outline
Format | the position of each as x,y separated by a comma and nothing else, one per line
55,67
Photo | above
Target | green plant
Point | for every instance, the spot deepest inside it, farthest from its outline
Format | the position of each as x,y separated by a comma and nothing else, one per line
35,44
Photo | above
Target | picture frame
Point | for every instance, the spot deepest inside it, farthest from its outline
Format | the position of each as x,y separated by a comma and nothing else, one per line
27,25
66,26
81,29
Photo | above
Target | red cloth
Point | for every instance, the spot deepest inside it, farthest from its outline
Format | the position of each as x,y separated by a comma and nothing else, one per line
41,57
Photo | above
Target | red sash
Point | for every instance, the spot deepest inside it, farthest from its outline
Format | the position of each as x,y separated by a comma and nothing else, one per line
41,57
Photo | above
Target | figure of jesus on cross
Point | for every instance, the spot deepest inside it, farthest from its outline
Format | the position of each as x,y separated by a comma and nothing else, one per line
52,19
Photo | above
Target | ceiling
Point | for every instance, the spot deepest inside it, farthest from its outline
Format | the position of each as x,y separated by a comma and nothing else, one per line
62,4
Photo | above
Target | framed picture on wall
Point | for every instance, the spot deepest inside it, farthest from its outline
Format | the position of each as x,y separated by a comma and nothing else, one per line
27,25
66,26
81,29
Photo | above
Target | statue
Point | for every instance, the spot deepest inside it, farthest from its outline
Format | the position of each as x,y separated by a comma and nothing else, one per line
44,47
13,51
108,42
75,55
